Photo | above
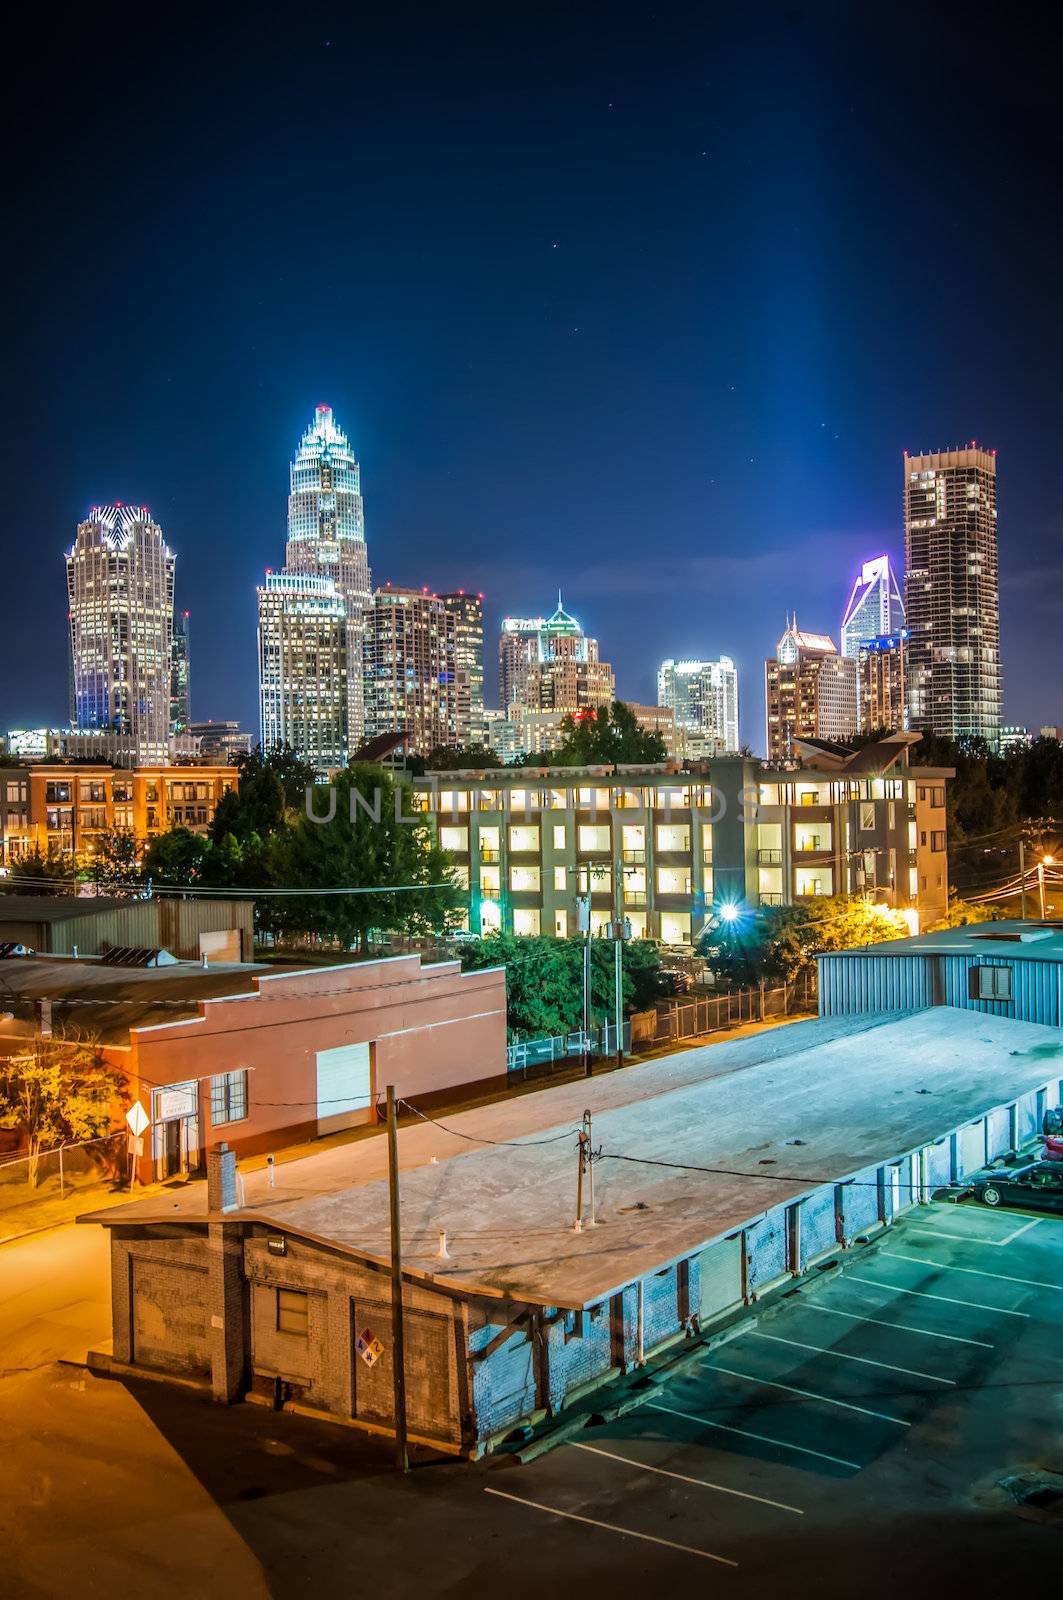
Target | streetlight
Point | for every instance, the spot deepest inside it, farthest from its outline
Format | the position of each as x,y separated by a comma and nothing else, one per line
1045,861
728,912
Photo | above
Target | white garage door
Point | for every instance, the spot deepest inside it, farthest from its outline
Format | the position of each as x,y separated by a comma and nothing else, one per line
344,1091
720,1270
221,945
972,1148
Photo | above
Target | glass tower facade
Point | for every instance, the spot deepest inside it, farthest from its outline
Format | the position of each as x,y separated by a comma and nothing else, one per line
951,593
326,539
875,607
120,588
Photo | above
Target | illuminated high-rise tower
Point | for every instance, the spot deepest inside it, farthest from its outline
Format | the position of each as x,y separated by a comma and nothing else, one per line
951,593
875,606
120,582
326,539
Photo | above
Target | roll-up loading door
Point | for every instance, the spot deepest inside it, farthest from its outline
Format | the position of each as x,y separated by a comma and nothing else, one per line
344,1096
720,1277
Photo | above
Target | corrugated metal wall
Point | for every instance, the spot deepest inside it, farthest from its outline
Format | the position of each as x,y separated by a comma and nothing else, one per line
173,925
851,983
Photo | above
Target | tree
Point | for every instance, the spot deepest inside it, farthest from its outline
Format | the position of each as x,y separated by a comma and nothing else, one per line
454,758
370,840
39,873
177,857
57,1090
116,862
544,979
605,735
777,944
963,912
271,782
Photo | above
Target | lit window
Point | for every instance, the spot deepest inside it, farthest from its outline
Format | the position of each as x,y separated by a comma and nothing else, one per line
293,1312
228,1097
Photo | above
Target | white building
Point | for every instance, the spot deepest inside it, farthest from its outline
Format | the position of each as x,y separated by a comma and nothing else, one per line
704,697
326,539
120,588
875,607
302,667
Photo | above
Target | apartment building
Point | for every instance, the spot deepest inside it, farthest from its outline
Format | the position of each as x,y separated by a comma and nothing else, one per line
71,808
663,846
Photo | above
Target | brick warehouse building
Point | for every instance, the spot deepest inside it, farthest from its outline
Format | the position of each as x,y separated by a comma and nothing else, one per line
261,1057
518,1314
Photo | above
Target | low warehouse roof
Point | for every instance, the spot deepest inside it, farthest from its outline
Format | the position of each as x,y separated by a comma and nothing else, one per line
988,941
782,1112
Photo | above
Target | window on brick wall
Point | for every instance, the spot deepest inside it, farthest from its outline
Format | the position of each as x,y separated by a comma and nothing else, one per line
293,1312
228,1097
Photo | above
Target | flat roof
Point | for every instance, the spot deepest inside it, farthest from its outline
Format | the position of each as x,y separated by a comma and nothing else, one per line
1026,941
112,1000
782,1112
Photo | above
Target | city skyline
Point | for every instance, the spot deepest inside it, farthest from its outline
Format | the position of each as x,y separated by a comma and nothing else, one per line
709,421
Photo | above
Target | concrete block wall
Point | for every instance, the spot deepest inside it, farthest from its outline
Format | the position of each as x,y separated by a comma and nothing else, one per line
505,1384
766,1250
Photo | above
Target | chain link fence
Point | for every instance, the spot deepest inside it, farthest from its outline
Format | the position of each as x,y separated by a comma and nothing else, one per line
39,1191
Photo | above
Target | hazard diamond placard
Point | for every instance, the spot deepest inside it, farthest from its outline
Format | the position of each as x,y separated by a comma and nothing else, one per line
369,1347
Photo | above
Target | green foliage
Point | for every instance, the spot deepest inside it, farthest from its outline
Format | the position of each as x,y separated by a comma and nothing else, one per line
963,912
374,841
777,944
605,735
116,862
544,979
271,782
33,872
176,857
454,758
57,1090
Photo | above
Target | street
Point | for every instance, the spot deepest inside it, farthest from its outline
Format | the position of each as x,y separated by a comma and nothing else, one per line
855,1436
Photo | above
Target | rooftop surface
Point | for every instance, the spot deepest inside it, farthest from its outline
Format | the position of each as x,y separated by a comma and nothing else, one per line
56,907
111,1000
1026,941
781,1112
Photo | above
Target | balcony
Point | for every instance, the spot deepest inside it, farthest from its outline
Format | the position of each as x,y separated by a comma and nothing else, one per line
635,897
771,899
771,857
489,854
634,858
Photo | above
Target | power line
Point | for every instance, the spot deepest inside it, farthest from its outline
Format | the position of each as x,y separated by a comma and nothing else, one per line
730,1172
512,1144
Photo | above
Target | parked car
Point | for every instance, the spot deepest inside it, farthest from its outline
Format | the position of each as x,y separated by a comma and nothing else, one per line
1052,1128
1038,1185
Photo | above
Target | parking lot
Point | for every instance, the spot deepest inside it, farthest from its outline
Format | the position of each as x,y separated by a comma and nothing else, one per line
855,1436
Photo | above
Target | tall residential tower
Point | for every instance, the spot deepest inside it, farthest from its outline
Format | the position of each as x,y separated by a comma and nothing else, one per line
704,697
951,593
120,584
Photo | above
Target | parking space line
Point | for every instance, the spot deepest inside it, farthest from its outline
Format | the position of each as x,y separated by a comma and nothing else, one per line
748,1433
1024,1229
947,1299
898,1327
975,1272
703,1483
807,1394
612,1527
972,1238
843,1355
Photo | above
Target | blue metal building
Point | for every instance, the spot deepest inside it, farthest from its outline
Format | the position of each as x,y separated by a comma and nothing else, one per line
1005,969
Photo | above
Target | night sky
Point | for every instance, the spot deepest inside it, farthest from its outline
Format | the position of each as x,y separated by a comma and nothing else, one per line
641,302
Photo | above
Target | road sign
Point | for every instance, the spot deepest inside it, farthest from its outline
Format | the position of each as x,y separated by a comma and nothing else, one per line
137,1119
369,1347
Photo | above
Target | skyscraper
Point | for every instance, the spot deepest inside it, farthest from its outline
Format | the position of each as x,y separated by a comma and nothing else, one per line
951,593
704,697
468,613
875,607
810,692
410,673
180,652
302,667
326,539
882,674
550,664
120,586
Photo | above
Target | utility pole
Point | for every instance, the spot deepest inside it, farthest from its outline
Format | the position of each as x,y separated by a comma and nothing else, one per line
1045,861
588,1059
1022,874
398,1353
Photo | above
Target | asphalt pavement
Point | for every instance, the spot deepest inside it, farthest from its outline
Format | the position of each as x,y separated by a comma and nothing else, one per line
867,1430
